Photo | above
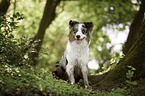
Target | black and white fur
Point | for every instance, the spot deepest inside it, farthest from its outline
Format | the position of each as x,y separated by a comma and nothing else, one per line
73,63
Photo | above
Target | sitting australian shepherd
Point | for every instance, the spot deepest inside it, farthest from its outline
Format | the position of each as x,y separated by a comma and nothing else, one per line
73,64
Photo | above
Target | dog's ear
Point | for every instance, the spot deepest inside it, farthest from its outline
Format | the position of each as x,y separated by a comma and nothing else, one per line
72,23
89,25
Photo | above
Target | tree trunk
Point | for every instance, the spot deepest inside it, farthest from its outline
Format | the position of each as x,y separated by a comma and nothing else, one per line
135,27
135,57
117,76
4,5
48,16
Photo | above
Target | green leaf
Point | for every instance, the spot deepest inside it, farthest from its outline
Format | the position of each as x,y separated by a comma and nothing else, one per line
129,74
134,83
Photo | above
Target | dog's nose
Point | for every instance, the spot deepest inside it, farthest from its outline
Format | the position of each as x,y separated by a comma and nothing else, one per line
78,36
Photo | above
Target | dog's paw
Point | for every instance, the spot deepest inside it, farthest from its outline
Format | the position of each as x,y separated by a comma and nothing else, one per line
88,87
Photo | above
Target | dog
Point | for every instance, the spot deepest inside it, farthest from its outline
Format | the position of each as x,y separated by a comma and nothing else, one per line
73,64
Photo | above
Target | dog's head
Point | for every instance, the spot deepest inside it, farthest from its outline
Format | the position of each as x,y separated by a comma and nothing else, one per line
80,32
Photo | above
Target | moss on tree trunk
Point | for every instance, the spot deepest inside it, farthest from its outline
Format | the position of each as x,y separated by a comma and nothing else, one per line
135,57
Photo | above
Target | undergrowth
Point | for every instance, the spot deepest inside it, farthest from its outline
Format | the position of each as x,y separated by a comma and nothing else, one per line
117,92
21,81
19,78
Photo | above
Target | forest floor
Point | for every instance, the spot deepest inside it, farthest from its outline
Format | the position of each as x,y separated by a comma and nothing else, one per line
21,81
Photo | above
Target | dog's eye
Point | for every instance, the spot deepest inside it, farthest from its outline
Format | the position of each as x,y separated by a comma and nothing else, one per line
75,31
84,31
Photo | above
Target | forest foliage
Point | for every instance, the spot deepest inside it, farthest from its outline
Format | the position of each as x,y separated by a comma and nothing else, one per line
21,23
104,14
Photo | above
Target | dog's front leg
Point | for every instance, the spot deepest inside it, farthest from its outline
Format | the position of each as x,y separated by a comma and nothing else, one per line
70,72
84,70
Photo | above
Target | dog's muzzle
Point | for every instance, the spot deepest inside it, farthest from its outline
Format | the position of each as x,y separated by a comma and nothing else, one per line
78,40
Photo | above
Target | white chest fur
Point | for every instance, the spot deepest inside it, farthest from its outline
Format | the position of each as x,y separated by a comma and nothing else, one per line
78,53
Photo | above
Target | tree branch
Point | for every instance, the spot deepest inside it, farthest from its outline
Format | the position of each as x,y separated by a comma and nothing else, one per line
48,17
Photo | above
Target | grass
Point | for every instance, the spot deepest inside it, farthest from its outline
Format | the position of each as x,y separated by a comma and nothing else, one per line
27,81
22,81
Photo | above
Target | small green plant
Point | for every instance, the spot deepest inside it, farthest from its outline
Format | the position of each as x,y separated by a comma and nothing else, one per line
116,92
129,76
21,81
12,49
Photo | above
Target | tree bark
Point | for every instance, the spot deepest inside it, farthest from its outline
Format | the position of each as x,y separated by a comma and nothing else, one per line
135,27
4,5
48,16
117,76
135,57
